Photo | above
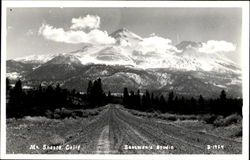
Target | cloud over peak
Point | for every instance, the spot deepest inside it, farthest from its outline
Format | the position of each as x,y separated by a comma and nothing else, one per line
157,44
76,34
213,46
87,22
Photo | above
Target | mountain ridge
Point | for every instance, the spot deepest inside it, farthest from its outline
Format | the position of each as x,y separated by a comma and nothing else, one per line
129,63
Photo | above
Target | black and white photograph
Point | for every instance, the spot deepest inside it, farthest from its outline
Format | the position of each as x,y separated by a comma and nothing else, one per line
123,81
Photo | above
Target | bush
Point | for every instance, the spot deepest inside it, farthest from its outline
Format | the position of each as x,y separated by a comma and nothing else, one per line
220,121
57,140
209,119
49,114
172,118
238,133
234,118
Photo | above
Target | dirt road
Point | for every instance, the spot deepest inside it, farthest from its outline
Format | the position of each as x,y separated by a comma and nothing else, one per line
116,131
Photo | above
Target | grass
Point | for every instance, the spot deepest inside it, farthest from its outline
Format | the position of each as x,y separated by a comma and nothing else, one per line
165,116
223,126
67,113
216,120
220,121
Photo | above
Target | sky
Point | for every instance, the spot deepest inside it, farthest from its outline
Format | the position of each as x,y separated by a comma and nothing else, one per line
57,30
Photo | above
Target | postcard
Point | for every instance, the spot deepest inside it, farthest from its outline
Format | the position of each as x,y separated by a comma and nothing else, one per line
125,80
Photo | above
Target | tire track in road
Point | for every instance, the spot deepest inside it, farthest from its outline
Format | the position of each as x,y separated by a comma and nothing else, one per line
157,136
135,132
103,145
193,139
85,134
115,127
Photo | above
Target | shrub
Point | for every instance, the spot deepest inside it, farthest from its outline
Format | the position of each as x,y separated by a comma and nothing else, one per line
209,119
234,118
172,118
57,140
219,121
49,114
78,113
238,133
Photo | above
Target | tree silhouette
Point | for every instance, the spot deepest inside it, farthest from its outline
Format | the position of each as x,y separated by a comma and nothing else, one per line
95,93
201,101
147,100
223,95
162,104
223,107
16,101
109,98
138,100
125,97
89,92
170,101
37,101
7,84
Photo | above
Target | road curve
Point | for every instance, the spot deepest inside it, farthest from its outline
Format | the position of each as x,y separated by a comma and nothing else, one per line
116,131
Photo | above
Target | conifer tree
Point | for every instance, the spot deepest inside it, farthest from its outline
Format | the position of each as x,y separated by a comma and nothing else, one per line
7,84
125,97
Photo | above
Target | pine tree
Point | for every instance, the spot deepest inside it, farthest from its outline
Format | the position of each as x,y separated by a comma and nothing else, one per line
89,89
176,104
15,107
138,100
148,101
162,104
96,94
125,97
223,95
89,94
223,109
7,84
170,100
144,103
109,99
132,99
192,107
201,102
17,93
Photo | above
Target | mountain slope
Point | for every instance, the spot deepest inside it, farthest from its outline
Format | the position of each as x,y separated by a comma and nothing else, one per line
129,63
132,50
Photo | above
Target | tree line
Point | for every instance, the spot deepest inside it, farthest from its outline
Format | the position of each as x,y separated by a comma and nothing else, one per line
36,101
172,103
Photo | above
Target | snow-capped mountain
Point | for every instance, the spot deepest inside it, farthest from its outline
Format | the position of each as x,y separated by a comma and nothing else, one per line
131,50
135,62
64,59
36,58
126,38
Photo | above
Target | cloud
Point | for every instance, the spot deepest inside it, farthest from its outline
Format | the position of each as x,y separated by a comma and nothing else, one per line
75,34
9,27
125,43
156,44
87,22
29,32
213,46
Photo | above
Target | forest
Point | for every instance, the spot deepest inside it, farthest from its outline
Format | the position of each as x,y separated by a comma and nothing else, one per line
37,101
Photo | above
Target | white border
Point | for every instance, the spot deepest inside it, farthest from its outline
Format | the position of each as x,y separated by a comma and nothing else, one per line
161,4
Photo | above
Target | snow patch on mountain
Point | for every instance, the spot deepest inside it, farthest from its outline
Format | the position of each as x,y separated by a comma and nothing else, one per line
163,78
135,51
36,58
65,59
13,75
